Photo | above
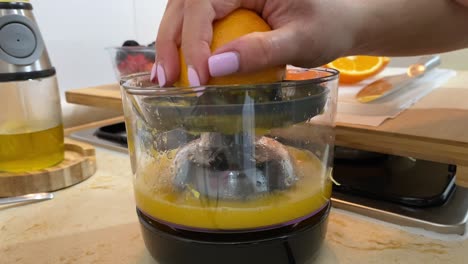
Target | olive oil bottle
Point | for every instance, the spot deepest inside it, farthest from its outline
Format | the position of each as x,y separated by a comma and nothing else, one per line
31,150
31,127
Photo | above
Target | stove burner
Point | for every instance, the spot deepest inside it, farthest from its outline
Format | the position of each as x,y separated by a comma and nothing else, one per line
401,180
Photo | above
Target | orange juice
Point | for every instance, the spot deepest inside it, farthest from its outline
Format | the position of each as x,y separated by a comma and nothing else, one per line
157,197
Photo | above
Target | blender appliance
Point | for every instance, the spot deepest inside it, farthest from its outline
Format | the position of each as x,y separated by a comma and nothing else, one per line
232,174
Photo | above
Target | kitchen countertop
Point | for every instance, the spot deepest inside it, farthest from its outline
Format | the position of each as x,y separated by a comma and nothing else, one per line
95,222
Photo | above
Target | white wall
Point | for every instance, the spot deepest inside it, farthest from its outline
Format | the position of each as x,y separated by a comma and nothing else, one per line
76,33
148,16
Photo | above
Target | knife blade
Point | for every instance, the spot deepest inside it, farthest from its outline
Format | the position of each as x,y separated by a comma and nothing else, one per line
27,198
391,84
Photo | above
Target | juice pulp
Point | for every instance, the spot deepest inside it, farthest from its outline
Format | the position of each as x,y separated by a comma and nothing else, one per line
156,196
31,150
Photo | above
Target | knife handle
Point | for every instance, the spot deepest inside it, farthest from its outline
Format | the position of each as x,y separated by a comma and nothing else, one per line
424,64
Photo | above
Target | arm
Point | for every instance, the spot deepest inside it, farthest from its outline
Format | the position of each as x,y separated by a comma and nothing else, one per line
462,2
305,33
410,27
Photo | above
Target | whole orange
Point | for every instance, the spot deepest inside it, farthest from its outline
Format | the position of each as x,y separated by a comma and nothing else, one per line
237,24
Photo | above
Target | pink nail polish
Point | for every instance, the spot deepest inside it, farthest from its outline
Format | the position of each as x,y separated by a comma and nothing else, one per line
161,75
193,78
223,64
153,73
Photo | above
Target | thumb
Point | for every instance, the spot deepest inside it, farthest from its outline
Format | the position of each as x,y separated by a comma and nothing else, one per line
254,52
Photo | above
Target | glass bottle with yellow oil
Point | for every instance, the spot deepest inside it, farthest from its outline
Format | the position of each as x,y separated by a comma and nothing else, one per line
31,130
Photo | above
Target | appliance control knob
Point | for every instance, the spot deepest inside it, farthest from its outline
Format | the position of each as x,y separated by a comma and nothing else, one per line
17,40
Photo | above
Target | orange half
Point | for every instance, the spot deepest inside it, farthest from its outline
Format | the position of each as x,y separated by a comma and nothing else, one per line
354,69
300,74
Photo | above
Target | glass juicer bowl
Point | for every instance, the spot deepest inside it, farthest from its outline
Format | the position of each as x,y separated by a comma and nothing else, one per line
232,174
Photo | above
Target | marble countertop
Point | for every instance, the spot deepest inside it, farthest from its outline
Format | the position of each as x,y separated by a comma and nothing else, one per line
95,222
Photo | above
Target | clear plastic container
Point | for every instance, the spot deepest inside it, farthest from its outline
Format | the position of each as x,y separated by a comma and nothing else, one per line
226,160
31,130
129,60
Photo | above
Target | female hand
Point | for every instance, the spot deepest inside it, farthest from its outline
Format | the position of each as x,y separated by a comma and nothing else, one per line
304,34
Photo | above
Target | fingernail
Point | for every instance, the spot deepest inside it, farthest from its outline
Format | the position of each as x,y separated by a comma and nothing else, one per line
161,75
153,73
193,76
223,64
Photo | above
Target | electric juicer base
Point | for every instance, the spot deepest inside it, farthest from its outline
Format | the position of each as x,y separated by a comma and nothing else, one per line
297,243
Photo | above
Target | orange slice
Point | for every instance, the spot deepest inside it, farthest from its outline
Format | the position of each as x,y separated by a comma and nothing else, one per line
354,69
299,74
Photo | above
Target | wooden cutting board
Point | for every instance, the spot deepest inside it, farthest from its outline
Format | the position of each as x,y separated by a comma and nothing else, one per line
104,96
78,165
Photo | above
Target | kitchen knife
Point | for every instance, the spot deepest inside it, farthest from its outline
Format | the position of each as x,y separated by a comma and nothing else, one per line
27,198
391,84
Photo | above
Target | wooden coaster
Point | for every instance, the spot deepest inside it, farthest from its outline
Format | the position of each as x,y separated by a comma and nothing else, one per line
78,165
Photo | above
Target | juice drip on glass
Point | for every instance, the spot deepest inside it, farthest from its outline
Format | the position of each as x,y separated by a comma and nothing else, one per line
157,197
28,151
